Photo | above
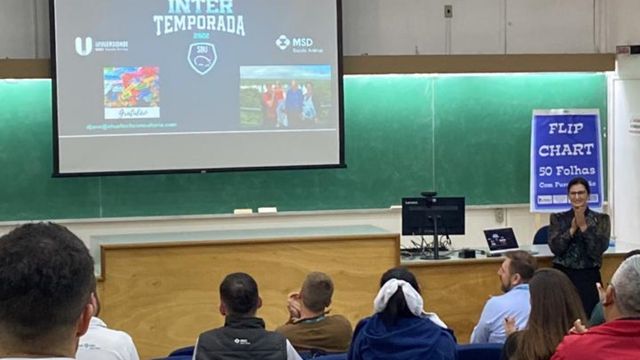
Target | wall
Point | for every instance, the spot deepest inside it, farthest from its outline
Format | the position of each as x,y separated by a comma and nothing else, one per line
624,145
394,27
416,26
478,218
405,27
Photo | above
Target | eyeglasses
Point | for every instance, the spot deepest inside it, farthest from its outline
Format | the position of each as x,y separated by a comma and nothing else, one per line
577,193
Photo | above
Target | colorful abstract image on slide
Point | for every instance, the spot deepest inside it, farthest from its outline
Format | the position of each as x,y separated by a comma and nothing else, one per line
131,87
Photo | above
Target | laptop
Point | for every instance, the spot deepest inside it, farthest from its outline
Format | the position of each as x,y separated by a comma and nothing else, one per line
501,240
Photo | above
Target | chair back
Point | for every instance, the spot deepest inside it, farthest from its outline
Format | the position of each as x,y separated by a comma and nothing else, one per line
479,351
183,351
542,236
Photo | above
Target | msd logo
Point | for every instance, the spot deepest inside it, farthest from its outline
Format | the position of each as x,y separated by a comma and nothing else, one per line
283,42
302,42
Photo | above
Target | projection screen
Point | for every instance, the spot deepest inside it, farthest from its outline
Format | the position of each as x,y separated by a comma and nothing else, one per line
195,85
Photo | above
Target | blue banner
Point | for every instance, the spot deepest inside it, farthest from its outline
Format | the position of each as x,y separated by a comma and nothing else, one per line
564,144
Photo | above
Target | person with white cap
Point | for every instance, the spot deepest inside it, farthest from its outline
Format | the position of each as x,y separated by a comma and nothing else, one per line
400,329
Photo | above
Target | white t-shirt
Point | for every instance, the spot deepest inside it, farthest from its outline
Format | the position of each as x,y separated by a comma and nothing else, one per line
102,343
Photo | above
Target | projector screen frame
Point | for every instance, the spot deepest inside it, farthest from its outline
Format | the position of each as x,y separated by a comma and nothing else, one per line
56,173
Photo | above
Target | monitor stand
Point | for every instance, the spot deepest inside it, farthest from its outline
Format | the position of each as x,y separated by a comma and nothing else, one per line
435,253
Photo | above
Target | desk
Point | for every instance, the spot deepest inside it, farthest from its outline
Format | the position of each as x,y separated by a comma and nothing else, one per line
457,289
165,293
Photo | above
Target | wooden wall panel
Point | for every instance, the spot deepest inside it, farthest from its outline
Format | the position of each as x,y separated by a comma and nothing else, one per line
165,295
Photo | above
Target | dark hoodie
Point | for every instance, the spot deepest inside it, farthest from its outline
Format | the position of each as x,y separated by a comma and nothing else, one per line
408,339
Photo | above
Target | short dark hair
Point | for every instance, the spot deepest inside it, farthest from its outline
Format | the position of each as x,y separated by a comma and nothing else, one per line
522,263
239,293
317,290
46,280
579,181
397,305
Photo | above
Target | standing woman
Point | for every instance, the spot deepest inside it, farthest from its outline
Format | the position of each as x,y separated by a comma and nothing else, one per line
578,238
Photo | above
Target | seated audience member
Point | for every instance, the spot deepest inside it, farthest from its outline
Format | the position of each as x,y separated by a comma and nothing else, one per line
309,327
555,306
400,330
597,315
46,280
102,343
243,335
619,337
514,273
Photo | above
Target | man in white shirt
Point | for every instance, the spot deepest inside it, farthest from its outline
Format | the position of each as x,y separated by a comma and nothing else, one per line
46,282
102,343
515,272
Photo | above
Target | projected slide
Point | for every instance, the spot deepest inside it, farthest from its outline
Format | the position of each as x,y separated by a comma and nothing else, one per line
156,85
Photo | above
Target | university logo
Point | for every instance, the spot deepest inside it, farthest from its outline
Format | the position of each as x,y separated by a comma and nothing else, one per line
283,42
86,49
202,57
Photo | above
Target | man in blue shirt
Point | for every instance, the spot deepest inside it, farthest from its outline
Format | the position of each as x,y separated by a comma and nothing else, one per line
514,273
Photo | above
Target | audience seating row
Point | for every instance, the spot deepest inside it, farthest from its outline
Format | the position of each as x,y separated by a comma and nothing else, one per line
465,352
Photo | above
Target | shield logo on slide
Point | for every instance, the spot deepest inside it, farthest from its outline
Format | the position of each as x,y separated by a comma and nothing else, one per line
202,57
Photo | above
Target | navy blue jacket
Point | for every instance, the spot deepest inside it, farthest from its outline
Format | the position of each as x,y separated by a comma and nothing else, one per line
410,338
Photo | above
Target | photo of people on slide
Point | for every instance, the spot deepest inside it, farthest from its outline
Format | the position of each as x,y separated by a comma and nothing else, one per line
285,97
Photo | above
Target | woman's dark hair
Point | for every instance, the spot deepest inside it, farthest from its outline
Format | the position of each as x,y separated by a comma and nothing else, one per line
555,305
397,305
579,181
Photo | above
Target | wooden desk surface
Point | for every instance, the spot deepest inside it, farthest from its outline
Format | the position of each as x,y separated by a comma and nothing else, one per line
165,294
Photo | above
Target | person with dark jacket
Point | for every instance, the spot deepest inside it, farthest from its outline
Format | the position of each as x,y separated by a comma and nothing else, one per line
243,335
400,329
578,238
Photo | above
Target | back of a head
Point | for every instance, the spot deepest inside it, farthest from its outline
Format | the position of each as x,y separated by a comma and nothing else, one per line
555,305
522,263
46,279
317,290
626,283
397,305
239,293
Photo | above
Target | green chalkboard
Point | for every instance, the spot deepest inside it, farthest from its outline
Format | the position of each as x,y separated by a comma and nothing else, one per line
458,135
483,129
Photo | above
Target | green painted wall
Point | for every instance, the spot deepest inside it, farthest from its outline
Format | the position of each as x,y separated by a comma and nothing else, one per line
458,135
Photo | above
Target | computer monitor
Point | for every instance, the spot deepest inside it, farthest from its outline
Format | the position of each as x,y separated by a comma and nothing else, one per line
419,213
